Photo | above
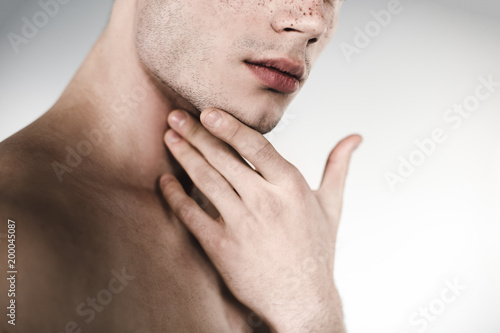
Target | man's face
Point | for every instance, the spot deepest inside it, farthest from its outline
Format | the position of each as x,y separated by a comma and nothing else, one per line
246,57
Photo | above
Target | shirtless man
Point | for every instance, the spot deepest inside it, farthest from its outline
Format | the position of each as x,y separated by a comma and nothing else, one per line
133,209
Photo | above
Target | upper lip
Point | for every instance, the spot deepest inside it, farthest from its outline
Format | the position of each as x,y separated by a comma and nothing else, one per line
295,69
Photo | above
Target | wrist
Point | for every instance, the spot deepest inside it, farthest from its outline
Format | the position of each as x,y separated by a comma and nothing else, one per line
318,313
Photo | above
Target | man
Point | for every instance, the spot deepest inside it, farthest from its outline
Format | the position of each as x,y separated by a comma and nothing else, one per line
116,232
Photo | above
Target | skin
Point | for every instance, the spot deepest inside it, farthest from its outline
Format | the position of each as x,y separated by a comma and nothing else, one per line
196,255
207,42
269,214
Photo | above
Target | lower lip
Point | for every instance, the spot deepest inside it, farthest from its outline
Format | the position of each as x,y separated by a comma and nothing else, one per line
275,79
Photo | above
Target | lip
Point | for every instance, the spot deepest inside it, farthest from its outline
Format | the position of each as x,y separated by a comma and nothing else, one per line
282,75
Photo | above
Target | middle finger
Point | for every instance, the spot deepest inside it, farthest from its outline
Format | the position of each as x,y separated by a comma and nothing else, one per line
218,153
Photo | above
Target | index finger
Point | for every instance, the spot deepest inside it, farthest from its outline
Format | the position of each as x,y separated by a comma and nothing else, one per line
250,144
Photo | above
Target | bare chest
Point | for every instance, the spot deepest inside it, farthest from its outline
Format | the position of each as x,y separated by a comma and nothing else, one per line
158,276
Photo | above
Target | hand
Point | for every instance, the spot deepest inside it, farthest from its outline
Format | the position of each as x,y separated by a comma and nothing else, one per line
274,240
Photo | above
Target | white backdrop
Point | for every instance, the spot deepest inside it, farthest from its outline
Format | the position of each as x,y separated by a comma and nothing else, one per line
419,242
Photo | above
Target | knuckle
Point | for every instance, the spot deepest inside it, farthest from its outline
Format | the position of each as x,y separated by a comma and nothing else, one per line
270,204
211,180
195,130
224,155
233,132
295,180
220,245
184,210
234,168
230,160
294,174
263,150
202,174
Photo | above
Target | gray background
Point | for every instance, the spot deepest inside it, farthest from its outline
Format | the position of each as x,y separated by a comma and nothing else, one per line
397,247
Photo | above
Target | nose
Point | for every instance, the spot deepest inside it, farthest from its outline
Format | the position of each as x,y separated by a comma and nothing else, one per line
304,18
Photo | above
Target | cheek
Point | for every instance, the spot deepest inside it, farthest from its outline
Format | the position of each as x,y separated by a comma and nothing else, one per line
167,34
332,15
327,37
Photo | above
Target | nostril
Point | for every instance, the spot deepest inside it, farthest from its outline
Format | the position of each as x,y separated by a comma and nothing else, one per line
312,40
288,29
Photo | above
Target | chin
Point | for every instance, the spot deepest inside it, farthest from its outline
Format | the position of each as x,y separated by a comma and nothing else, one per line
264,126
259,108
270,114
261,115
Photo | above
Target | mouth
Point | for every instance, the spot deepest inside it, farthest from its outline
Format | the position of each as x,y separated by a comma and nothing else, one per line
281,75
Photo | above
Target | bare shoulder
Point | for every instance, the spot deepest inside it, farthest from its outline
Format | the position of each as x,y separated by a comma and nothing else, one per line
35,237
27,187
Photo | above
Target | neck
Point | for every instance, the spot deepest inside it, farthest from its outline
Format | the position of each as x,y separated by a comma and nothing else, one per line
113,97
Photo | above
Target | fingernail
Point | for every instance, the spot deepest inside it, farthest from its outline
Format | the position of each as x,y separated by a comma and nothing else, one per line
177,118
213,119
172,136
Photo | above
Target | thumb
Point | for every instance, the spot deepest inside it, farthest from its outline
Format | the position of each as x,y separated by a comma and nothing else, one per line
334,176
